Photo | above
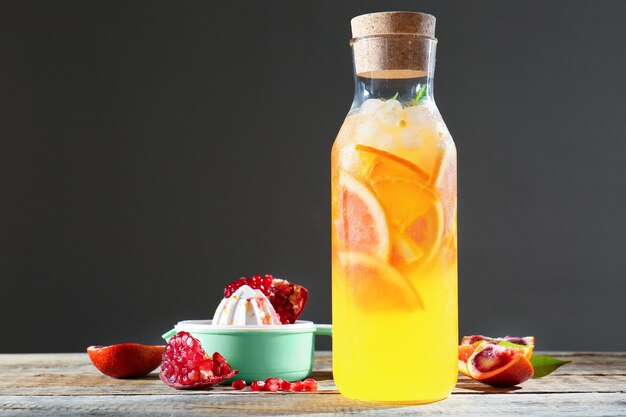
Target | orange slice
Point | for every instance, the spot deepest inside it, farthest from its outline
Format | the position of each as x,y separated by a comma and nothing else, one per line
413,209
377,285
361,223
403,198
380,163
404,250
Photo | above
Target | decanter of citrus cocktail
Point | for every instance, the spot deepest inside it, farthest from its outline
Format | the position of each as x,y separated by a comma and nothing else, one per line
394,235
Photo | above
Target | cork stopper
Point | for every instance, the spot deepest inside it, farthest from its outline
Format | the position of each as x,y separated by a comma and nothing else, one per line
388,23
380,50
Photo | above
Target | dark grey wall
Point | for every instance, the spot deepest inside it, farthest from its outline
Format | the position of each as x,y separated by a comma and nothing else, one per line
150,152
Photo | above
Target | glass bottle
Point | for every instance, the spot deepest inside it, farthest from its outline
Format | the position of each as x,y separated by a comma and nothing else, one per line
394,221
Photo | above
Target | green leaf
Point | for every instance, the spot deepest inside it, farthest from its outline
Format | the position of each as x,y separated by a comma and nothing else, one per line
419,94
395,96
545,365
515,345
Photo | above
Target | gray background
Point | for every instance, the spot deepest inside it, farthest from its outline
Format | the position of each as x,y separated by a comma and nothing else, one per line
151,152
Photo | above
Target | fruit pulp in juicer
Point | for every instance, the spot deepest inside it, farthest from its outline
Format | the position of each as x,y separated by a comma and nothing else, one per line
394,252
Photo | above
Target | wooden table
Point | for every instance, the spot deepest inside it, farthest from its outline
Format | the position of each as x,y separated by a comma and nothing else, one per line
594,384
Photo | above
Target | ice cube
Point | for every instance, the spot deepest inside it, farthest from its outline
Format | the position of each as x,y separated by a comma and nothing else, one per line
371,106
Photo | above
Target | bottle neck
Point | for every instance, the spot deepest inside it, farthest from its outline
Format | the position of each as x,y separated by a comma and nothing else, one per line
401,67
407,90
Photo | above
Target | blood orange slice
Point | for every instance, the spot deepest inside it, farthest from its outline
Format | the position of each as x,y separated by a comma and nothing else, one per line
361,223
380,286
469,344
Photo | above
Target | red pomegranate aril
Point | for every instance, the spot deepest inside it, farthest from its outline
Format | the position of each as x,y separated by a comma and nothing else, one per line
193,376
239,384
285,386
310,384
224,369
271,387
269,381
257,385
297,386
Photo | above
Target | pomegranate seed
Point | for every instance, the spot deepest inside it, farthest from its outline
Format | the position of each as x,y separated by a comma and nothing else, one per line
271,387
285,386
297,386
218,358
310,384
272,381
257,385
239,384
225,368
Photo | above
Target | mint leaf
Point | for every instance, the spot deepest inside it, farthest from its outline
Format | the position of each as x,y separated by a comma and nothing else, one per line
545,365
419,94
515,345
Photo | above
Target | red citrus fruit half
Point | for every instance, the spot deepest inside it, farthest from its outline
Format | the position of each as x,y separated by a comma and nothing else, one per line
126,360
470,343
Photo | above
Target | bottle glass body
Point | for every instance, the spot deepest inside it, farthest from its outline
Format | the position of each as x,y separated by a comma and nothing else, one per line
394,235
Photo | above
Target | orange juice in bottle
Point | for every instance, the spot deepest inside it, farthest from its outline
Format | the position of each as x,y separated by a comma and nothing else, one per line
394,235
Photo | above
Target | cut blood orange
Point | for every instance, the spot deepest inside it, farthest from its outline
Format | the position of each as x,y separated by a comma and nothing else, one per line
372,275
361,222
499,366
470,343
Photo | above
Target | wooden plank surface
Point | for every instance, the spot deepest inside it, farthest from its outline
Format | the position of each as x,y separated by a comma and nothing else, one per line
67,384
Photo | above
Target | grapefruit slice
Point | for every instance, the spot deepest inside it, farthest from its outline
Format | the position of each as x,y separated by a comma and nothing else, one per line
500,366
361,223
380,286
